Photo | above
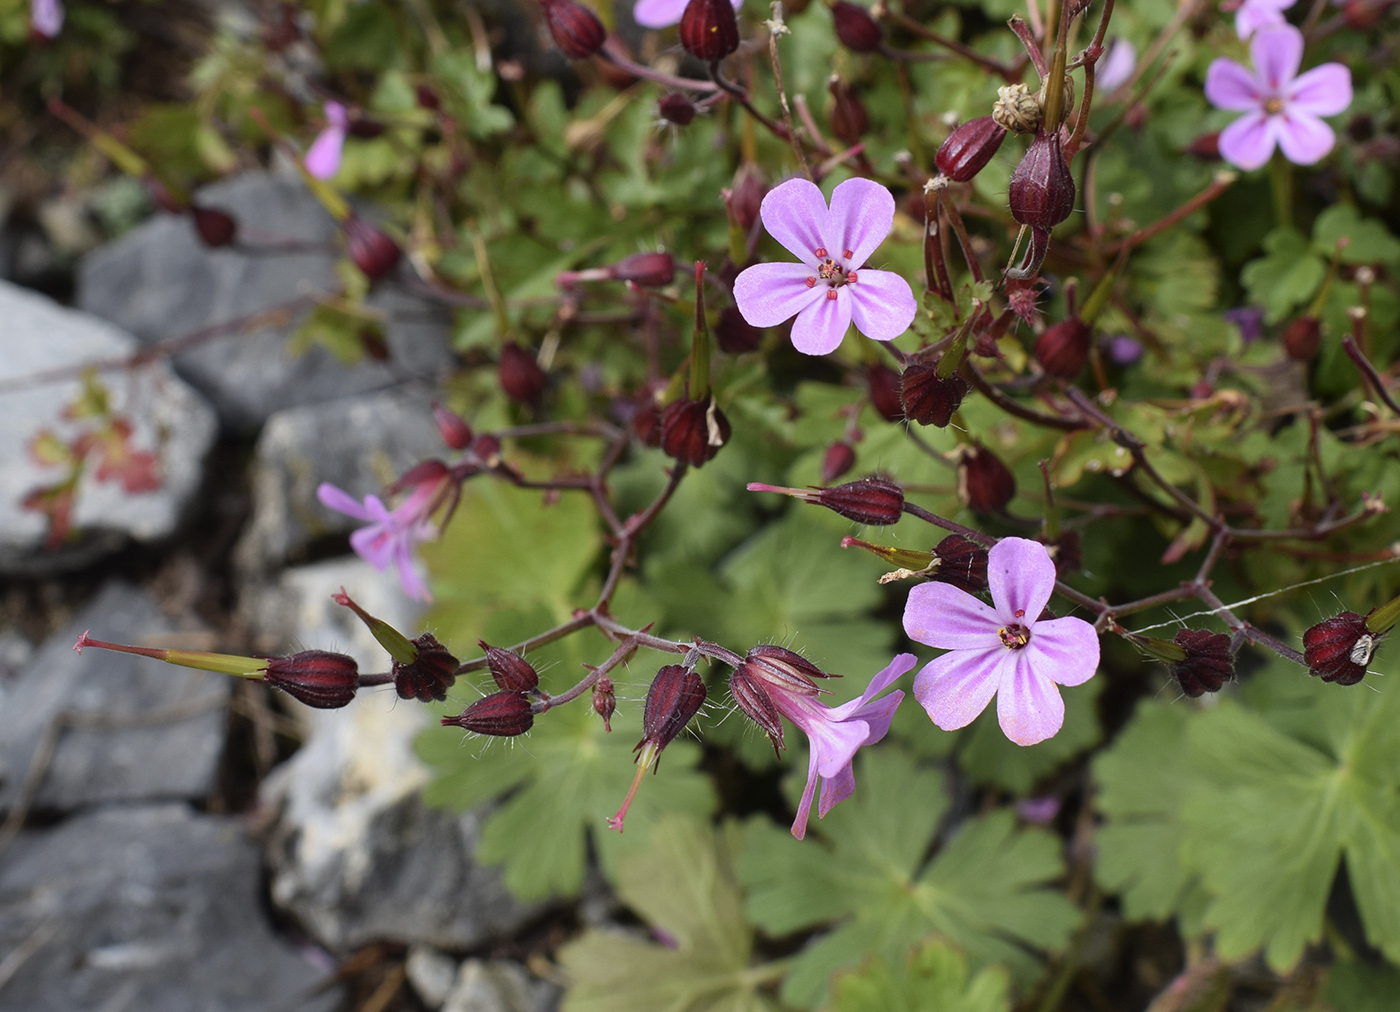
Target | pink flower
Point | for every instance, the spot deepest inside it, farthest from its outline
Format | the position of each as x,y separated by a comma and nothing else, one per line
661,13
45,17
323,157
1252,15
1005,651
1282,107
391,534
831,286
1117,66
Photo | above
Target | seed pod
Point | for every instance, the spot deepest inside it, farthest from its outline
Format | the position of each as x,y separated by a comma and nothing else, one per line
1041,192
317,678
985,484
692,431
501,714
511,672
576,29
969,148
928,398
430,675
856,29
1339,648
1064,348
709,30
1208,664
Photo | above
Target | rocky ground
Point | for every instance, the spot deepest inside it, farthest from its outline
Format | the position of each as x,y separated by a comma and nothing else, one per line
173,840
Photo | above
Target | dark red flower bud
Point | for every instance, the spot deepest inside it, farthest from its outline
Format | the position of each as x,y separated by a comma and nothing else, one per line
709,30
364,127
511,671
856,29
427,98
692,431
1338,649
604,701
502,714
646,422
839,459
373,252
1041,192
1208,664
521,376
745,195
753,700
962,563
928,398
985,484
848,118
1302,338
969,148
734,334
453,429
1205,147
1064,348
430,675
676,695
576,29
676,108
884,384
650,270
317,678
216,228
784,669
876,502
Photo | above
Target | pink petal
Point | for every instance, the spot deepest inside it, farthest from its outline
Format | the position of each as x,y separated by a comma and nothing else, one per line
1064,650
323,157
336,115
46,17
1248,142
861,215
944,616
877,716
1029,707
804,808
768,294
882,304
794,213
342,502
1277,54
836,790
1231,86
375,544
821,326
661,13
835,743
1116,66
1021,578
1322,91
956,687
1253,16
897,669
409,579
1305,139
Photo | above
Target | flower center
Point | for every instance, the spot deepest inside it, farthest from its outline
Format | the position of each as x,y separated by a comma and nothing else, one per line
834,272
1014,636
1274,106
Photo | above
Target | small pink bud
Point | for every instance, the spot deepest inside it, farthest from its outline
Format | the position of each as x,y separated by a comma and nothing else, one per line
511,671
501,714
373,252
928,398
1208,664
709,30
1064,348
692,431
1339,648
856,29
985,484
317,678
576,29
969,148
521,376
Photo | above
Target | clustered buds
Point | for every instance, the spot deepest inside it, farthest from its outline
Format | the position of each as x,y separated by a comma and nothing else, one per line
1208,664
576,29
969,148
429,675
985,484
709,30
1064,348
693,430
767,669
856,29
875,501
1339,648
500,715
928,398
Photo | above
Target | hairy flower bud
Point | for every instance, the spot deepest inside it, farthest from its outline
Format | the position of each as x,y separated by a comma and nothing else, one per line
1339,648
734,334
650,270
985,484
676,695
874,501
856,29
317,678
501,714
968,149
884,385
961,563
692,431
709,30
928,398
521,376
1064,348
848,117
429,675
216,228
1208,664
1041,192
784,669
604,701
512,672
839,459
373,252
754,702
453,429
1303,337
676,108
576,29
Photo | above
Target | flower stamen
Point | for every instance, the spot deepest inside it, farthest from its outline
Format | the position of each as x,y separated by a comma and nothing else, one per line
1014,636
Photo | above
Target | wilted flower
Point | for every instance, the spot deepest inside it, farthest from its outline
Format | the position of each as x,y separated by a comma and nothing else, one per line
323,157
391,534
1004,650
831,287
662,13
1282,106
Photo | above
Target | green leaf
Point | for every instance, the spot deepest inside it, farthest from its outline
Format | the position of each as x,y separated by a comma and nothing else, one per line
1357,987
1368,242
933,977
1286,277
469,91
681,884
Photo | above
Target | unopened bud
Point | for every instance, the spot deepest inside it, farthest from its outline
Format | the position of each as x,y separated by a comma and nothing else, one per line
884,385
428,676
961,563
453,429
856,29
928,398
709,30
784,670
216,228
735,334
876,502
692,431
1041,192
675,696
511,671
1302,338
1208,664
650,270
317,678
646,422
501,714
848,118
676,108
839,459
1339,648
521,376
745,195
427,98
969,148
604,701
576,30
753,700
373,252
1206,147
1064,348
985,484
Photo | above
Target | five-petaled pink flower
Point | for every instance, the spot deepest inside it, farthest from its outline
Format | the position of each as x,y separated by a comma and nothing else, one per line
1282,106
831,286
391,534
1005,651
1252,15
323,157
661,13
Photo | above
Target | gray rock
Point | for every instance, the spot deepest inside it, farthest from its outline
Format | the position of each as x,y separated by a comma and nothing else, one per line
147,909
160,282
161,728
499,986
360,444
431,974
167,418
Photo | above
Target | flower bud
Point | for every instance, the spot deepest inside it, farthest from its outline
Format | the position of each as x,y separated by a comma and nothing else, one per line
604,701
1041,192
453,429
216,228
676,108
848,117
755,703
1303,337
373,252
969,148
928,398
735,334
692,431
676,694
650,270
839,459
1208,664
985,484
317,678
1338,649
856,29
1206,147
512,672
709,30
745,195
1064,348
876,501
501,714
646,422
884,385
783,669
430,675
427,98
961,563
576,30
521,376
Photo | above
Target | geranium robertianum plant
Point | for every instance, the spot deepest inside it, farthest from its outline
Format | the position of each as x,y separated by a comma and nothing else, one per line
1059,442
